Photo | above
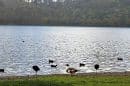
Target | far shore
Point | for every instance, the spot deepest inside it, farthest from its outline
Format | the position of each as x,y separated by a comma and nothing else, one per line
49,25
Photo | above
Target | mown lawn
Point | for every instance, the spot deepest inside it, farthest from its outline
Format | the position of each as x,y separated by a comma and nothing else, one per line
66,80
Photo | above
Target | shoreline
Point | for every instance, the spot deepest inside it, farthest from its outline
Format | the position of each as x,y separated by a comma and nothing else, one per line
35,25
127,73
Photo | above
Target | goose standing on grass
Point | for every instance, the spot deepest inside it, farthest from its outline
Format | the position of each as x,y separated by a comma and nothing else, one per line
36,68
96,66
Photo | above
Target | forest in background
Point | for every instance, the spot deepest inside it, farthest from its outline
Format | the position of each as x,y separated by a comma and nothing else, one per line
71,13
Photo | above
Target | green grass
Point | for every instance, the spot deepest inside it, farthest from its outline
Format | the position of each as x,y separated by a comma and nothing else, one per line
65,80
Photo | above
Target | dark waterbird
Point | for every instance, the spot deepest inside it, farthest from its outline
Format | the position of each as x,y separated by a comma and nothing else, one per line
51,61
96,66
72,71
120,59
81,64
53,66
2,70
36,68
67,65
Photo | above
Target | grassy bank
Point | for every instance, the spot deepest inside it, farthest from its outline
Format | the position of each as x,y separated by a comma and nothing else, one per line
66,80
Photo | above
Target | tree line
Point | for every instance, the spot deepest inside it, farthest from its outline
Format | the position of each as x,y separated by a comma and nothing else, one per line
74,13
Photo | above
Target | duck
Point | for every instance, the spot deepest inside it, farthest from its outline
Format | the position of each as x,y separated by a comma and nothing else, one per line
81,64
72,71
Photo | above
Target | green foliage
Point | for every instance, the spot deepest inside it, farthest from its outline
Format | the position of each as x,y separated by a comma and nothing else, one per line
80,12
65,80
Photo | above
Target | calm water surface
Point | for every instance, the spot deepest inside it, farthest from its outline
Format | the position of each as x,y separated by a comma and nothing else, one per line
21,47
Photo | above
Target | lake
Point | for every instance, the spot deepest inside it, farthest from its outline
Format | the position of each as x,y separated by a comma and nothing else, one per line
21,47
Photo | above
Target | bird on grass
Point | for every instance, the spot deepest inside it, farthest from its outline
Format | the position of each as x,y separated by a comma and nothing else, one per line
96,66
36,68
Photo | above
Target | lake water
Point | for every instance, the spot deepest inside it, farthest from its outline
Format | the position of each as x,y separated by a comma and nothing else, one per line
21,47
